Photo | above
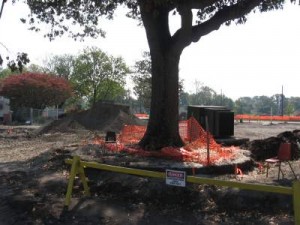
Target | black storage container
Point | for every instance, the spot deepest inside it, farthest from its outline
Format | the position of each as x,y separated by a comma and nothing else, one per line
220,119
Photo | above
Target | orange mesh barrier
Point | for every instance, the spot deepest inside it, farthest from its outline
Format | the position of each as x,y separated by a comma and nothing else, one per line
132,134
183,130
196,149
142,116
274,118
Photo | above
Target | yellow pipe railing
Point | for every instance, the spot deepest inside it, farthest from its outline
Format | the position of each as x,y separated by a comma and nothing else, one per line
78,168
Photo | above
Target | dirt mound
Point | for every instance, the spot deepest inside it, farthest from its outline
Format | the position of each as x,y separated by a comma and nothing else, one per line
102,117
267,148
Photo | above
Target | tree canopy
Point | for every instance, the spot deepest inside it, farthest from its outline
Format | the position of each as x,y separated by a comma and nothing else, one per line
198,18
97,76
35,90
205,95
94,76
210,14
60,65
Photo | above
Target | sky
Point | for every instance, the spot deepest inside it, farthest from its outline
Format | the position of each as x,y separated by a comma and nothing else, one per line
254,59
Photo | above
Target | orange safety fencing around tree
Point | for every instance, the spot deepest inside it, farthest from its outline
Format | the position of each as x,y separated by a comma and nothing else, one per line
142,116
268,118
198,144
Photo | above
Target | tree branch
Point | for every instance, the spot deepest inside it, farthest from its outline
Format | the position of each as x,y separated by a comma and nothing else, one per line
184,36
199,4
225,14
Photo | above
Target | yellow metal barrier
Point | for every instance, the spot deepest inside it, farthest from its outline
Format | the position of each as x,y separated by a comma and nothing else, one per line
78,168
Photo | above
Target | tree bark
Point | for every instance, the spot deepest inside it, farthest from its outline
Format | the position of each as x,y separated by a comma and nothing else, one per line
162,127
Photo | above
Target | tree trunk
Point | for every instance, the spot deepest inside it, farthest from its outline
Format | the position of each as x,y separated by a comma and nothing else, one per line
165,50
162,127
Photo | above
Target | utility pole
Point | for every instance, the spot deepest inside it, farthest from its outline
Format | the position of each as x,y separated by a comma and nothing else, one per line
282,100
221,98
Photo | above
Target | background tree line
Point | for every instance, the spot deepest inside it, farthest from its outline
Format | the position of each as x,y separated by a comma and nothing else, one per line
95,75
204,95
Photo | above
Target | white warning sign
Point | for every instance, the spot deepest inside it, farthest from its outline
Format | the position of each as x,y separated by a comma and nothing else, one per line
176,178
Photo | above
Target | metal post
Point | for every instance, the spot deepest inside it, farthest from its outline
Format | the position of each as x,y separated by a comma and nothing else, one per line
207,139
31,116
296,201
56,112
282,101
84,180
73,173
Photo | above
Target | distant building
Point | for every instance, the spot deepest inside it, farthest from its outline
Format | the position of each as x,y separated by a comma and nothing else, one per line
5,113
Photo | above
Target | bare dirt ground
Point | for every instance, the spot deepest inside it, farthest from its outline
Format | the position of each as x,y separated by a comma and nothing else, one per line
33,183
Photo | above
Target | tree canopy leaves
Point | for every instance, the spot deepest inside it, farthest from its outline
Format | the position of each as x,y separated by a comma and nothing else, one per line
97,76
62,16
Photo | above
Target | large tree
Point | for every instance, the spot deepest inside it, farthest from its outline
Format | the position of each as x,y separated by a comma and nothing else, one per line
60,65
205,95
98,76
165,48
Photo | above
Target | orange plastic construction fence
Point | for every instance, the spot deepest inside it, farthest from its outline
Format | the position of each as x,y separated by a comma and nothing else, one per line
268,118
200,145
142,116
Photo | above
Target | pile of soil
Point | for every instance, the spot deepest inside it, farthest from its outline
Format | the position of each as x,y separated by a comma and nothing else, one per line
102,117
268,148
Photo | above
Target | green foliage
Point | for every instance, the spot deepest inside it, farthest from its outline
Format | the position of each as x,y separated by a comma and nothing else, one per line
94,75
60,65
5,73
289,109
205,95
82,14
16,64
86,15
98,76
142,80
34,68
263,105
35,90
141,77
184,98
295,101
